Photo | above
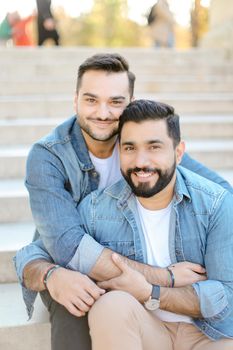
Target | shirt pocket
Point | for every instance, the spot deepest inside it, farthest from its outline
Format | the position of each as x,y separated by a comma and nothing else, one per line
125,248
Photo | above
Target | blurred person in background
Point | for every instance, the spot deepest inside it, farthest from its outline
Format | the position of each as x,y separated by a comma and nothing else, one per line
161,23
22,33
46,23
6,27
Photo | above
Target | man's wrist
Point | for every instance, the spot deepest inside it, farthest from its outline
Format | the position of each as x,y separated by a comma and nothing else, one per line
157,276
48,272
33,274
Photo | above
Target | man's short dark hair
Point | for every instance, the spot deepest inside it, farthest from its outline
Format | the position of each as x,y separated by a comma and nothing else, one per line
141,110
112,63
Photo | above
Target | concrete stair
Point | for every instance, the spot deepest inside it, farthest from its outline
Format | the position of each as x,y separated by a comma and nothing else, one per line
15,331
36,94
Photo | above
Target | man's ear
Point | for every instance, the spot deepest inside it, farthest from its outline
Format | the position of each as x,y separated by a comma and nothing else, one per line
132,99
180,149
75,102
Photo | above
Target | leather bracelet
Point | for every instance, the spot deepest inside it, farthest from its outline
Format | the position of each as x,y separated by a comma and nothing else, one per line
48,273
172,277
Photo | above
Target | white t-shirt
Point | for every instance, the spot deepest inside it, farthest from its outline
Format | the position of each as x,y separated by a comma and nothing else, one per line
155,225
108,168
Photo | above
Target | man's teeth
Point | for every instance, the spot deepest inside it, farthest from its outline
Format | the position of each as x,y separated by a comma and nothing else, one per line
142,174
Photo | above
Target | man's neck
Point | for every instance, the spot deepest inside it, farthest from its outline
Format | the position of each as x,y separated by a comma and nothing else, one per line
160,200
100,149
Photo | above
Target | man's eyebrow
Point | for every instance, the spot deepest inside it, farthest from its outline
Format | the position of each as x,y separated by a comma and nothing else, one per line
126,143
149,142
155,141
117,98
90,94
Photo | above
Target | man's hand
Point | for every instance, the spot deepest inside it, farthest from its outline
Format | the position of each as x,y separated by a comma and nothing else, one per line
130,281
183,300
75,291
186,273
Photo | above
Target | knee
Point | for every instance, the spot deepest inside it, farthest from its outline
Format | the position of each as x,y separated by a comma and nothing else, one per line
117,303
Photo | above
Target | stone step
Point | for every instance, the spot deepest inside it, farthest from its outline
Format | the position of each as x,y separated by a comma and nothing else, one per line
58,72
150,84
13,236
140,55
216,154
27,131
60,105
206,127
16,332
13,161
14,204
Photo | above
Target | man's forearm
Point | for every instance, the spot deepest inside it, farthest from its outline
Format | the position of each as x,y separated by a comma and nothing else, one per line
33,274
183,300
105,269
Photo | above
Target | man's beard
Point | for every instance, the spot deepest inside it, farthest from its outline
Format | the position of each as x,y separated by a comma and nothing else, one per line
106,137
143,189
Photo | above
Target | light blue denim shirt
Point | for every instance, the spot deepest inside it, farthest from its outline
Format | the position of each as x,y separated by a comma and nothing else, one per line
59,175
201,231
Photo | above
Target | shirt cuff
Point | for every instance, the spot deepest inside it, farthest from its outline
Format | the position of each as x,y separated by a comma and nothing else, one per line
86,255
213,299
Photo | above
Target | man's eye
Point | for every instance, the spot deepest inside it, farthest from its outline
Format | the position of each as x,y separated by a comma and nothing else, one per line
117,102
90,100
154,147
129,148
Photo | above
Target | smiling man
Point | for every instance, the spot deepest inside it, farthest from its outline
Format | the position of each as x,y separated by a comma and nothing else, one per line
166,214
76,158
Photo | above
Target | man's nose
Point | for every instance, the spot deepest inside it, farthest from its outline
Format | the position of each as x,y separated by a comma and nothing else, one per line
142,160
103,111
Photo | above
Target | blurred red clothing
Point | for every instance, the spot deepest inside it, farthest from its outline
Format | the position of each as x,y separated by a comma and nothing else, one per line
21,35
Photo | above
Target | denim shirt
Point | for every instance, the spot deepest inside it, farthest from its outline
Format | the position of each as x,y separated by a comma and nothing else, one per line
59,175
201,231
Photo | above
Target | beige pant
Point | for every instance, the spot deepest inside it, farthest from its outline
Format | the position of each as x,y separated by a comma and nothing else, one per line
119,322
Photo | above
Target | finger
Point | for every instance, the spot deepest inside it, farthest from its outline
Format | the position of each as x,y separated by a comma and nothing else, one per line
94,295
197,268
119,262
81,305
106,284
74,311
202,277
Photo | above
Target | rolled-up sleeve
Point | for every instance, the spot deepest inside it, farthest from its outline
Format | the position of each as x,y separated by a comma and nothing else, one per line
216,293
32,251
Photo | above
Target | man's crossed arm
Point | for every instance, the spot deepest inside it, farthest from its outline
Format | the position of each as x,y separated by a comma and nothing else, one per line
77,292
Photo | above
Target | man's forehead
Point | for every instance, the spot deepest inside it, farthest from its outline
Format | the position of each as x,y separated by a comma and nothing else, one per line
102,74
101,85
144,131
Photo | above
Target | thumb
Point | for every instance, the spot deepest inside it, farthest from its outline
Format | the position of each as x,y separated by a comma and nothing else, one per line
119,262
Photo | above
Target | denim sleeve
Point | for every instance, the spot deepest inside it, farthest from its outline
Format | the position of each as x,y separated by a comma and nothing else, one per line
31,252
89,250
61,225
198,168
53,208
216,293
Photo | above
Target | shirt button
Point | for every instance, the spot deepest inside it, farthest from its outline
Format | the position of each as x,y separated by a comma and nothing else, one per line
94,174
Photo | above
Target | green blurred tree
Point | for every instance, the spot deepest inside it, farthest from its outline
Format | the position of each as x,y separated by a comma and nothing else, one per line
107,24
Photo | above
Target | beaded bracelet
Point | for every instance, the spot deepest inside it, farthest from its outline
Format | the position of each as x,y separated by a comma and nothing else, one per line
172,277
48,273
